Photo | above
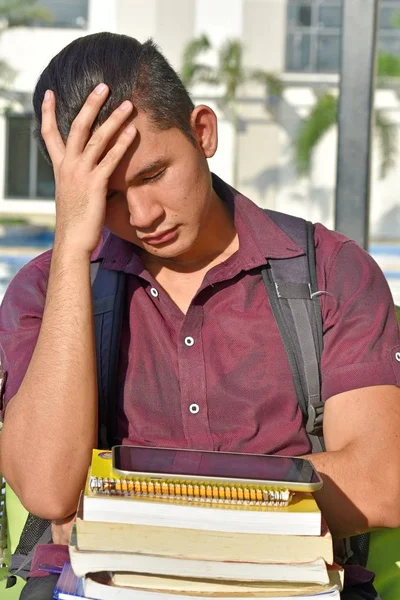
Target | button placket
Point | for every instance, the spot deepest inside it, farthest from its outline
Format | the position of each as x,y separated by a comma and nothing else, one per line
192,379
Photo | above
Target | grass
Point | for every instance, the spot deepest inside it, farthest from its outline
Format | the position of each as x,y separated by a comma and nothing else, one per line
13,221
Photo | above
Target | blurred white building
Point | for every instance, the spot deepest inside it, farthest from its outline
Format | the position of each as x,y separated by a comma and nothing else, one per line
297,39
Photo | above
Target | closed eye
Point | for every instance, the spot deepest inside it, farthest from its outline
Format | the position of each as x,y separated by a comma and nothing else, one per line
154,177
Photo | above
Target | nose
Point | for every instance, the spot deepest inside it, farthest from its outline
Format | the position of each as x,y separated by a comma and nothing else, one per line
145,210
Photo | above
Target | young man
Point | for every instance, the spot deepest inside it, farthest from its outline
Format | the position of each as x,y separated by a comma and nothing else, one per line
202,363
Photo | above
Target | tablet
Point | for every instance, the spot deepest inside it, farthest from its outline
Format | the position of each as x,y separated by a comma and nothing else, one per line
273,472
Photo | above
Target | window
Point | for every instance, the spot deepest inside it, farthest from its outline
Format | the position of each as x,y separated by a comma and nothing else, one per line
298,52
389,18
28,175
330,16
390,44
313,42
73,14
314,34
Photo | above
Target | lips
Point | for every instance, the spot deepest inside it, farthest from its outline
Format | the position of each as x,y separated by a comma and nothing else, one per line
161,238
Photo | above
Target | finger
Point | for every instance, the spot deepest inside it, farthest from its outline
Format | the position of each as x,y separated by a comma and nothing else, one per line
111,160
50,133
83,122
101,138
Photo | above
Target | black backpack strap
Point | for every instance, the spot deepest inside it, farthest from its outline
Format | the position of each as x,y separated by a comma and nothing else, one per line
292,288
291,285
108,294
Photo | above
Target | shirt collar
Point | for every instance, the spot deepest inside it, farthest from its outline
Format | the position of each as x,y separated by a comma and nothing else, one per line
259,237
258,233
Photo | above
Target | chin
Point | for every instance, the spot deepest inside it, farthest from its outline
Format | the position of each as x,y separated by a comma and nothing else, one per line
168,250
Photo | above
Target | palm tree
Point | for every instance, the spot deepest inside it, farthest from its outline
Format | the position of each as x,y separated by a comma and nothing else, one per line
324,116
231,74
18,13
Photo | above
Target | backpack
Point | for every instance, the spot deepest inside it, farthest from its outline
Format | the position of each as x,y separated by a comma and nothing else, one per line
292,290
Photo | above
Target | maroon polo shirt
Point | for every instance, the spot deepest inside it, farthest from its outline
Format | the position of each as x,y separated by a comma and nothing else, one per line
218,377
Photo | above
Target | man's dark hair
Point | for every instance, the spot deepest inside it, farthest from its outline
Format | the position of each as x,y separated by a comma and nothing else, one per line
133,71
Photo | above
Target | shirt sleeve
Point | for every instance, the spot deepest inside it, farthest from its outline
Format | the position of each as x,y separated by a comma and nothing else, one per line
20,320
361,333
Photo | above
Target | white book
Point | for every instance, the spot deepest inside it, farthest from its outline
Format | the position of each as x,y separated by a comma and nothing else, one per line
100,591
301,517
94,562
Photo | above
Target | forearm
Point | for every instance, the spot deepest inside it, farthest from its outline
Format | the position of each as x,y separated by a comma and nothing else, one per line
354,496
51,423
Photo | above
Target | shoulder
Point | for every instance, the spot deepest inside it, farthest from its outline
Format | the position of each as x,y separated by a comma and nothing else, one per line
345,266
21,315
39,264
361,334
32,276
28,288
329,243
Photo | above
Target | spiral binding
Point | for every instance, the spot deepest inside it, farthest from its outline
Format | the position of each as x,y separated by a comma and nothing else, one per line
203,492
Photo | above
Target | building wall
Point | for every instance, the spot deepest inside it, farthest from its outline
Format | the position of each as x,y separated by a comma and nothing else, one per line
267,130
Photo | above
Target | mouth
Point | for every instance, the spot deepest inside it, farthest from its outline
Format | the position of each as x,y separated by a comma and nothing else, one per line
160,238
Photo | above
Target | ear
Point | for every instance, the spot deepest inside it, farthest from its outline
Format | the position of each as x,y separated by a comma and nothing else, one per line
204,124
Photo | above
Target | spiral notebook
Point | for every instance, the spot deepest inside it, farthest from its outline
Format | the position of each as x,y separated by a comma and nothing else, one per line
107,500
103,480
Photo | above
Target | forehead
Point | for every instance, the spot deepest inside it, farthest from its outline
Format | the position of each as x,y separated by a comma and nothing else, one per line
151,144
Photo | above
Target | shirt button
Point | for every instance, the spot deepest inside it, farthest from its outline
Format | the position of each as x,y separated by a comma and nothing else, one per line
189,341
154,292
194,409
397,356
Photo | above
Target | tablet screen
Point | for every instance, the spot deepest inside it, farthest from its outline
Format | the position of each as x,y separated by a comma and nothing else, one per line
204,464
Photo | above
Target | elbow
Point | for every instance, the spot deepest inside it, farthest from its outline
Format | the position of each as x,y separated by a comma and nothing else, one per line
388,515
385,510
46,506
44,503
42,491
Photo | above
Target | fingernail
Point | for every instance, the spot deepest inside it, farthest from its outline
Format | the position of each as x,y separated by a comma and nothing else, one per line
130,128
100,88
126,105
47,95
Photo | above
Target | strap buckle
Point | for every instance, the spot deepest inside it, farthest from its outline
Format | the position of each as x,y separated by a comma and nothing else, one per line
315,416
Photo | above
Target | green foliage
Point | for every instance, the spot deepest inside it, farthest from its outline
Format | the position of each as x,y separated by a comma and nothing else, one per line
17,13
388,65
396,19
387,134
193,71
13,221
322,117
230,71
271,82
230,68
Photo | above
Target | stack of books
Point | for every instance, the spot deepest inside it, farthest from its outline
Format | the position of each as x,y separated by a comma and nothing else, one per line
159,547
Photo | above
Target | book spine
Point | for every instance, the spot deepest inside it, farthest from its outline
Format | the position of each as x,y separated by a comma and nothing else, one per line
226,494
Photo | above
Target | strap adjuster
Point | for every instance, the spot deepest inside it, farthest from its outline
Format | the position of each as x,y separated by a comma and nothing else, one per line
315,418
